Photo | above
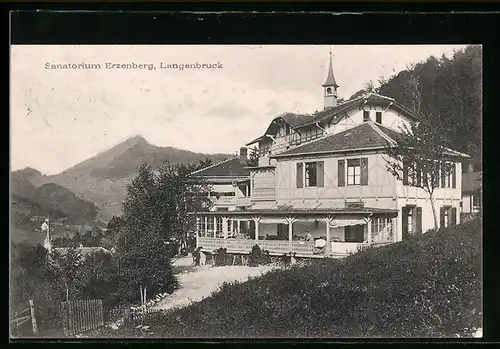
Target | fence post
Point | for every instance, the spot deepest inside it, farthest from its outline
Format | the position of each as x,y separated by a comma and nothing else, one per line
33,319
64,315
70,318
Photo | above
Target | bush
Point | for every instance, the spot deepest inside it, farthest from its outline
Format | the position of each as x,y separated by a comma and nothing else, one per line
258,257
221,256
427,287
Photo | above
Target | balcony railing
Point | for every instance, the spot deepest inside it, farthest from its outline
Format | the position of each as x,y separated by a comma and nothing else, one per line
302,248
243,201
263,193
224,201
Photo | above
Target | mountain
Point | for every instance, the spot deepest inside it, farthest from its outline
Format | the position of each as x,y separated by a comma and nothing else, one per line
103,178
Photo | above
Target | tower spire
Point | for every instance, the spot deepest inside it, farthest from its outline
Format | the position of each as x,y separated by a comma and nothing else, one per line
330,86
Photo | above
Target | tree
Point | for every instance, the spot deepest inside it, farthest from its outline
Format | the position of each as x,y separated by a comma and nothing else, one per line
156,209
254,157
419,157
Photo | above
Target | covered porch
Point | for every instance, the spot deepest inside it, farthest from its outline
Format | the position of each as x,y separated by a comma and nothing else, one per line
303,233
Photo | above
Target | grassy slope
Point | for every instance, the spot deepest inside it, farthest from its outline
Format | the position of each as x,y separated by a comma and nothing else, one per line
430,286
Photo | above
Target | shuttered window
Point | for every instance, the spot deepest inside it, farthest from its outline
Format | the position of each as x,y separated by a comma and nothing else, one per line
353,172
341,173
321,174
311,174
300,174
364,171
448,216
366,115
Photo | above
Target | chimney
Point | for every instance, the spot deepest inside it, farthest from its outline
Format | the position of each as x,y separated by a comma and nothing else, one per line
243,156
470,168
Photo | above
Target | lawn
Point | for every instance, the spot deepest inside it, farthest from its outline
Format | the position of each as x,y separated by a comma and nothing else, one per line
429,286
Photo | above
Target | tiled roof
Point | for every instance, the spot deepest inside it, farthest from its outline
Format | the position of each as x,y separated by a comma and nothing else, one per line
471,182
228,168
368,135
363,136
339,111
295,120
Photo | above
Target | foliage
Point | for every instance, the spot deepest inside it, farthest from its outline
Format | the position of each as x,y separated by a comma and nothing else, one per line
419,157
428,287
222,258
258,257
253,159
450,90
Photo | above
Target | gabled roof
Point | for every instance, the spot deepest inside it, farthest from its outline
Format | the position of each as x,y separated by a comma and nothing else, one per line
339,111
365,136
471,182
298,121
292,119
227,168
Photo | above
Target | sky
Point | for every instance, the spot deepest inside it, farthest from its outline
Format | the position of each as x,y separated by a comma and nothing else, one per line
60,117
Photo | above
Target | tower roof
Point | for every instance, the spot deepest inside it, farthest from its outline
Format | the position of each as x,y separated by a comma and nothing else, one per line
330,79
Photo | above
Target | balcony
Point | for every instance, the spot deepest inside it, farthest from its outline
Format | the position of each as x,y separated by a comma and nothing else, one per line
263,194
224,201
243,201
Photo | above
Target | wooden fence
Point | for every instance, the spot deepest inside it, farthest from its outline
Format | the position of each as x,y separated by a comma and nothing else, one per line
28,314
81,316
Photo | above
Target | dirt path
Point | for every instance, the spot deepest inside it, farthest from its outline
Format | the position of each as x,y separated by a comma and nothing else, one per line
197,283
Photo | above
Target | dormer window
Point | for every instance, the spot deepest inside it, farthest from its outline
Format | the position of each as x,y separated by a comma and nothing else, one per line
366,115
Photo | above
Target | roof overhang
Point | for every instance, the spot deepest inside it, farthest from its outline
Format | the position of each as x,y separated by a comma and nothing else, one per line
343,151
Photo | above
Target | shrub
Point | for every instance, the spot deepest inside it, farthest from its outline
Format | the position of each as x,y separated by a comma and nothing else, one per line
258,257
222,258
427,287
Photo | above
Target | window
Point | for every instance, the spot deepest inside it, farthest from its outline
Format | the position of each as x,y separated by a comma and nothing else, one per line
311,174
381,229
410,221
476,201
447,174
378,117
448,216
203,222
219,224
353,172
210,224
366,115
329,90
287,130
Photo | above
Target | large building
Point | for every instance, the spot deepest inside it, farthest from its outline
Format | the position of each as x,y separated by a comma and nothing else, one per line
323,176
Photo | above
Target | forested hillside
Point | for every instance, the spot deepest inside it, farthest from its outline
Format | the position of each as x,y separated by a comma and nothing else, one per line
447,89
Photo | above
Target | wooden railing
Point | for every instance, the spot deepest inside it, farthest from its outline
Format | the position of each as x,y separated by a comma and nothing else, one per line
243,201
245,246
263,193
83,315
225,201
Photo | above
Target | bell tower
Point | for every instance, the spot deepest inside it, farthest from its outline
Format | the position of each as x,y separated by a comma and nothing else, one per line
330,87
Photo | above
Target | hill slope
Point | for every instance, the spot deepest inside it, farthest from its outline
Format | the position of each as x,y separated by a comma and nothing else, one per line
427,287
102,179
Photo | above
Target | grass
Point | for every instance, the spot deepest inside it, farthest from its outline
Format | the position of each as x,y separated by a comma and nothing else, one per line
429,286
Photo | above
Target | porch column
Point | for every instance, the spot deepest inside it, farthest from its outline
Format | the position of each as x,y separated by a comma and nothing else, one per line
197,231
290,233
237,226
215,227
224,226
256,223
369,223
206,226
328,243
395,229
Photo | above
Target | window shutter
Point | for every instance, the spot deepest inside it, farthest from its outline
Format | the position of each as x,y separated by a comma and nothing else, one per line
454,175
453,216
321,174
418,220
404,222
300,174
364,171
405,172
441,215
341,173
